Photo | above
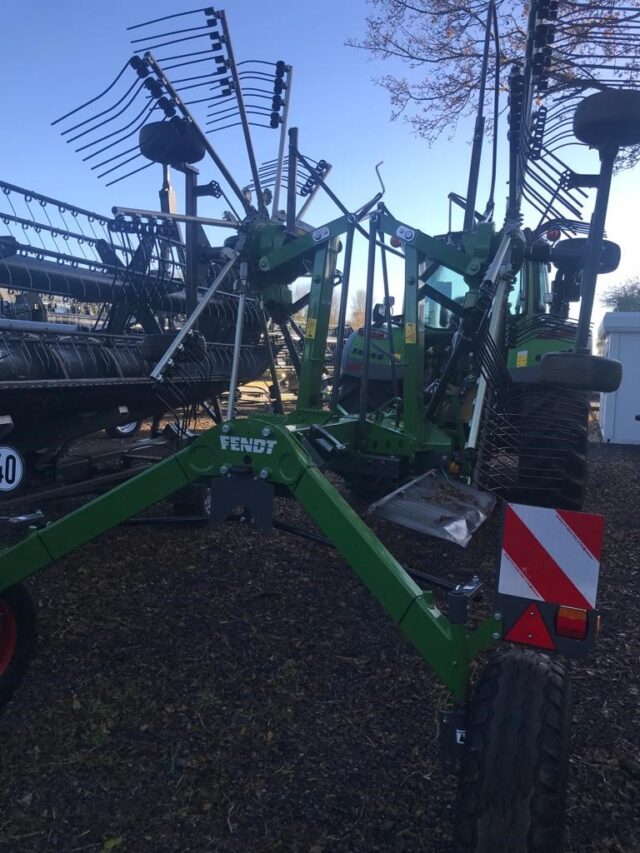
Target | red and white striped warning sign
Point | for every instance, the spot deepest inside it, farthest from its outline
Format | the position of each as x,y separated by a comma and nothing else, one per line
551,555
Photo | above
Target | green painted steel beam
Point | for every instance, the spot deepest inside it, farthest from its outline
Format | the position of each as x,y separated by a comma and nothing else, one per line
317,238
430,247
94,518
414,331
317,326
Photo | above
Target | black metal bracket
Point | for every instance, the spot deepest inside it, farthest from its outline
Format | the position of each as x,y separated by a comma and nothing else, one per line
453,732
459,598
210,189
242,489
571,180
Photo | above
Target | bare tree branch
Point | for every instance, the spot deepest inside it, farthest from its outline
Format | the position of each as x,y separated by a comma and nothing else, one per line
440,43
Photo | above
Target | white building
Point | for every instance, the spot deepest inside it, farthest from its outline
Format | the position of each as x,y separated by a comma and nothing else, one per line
620,411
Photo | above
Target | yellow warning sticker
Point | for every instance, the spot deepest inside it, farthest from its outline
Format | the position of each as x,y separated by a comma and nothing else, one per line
522,358
311,327
410,333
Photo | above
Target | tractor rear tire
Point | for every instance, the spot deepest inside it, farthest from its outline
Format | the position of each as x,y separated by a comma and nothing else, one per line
553,439
17,638
515,762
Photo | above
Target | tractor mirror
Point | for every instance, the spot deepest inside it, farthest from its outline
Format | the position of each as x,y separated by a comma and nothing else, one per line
609,119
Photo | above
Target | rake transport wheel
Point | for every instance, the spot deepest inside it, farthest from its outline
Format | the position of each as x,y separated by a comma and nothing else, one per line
17,638
553,437
513,778
124,430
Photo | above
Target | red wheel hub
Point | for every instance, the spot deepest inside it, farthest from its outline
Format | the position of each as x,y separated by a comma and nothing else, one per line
8,635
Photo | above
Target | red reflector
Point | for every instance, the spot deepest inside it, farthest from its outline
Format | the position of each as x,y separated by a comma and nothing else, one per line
531,630
395,241
553,234
571,622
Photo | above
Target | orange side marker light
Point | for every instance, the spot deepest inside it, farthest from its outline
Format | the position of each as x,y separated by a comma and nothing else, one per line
572,622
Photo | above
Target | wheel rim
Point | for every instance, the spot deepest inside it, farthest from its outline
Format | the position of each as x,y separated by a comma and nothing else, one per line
126,429
8,635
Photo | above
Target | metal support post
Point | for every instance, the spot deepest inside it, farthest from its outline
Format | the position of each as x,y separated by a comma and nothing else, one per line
594,248
368,308
168,205
342,312
317,327
291,180
413,396
241,288
191,239
387,304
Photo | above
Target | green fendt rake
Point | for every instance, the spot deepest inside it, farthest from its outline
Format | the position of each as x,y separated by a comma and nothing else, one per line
481,383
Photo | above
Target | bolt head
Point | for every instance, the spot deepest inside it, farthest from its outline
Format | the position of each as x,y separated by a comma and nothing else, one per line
226,428
224,469
264,473
497,616
495,636
266,432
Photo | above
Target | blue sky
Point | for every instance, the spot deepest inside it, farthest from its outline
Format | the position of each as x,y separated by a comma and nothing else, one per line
55,55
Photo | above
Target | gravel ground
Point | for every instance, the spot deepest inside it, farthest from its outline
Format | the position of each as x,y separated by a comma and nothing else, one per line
208,689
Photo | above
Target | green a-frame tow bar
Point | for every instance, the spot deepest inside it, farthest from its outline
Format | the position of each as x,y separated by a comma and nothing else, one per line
278,450
276,455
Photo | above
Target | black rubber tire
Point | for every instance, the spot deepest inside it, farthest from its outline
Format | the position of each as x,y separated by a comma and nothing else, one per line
553,429
379,392
609,118
117,431
16,605
515,763
171,142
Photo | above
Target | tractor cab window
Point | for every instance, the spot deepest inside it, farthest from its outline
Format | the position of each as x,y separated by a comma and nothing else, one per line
530,290
517,300
453,286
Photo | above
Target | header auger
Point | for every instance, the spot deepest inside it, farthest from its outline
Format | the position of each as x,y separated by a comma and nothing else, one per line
481,382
